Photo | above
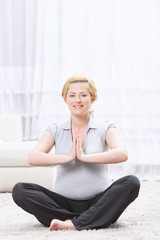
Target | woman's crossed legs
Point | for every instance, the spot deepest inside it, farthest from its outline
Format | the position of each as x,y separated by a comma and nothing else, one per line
58,212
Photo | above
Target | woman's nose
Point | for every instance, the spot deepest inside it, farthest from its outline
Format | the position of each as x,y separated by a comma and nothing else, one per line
78,99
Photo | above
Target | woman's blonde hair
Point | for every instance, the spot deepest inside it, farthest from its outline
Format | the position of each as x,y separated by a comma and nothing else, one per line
80,78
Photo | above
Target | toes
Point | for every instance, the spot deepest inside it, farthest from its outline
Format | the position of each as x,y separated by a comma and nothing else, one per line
52,226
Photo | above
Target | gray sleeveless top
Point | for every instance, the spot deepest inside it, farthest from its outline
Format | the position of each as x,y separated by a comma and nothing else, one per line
78,180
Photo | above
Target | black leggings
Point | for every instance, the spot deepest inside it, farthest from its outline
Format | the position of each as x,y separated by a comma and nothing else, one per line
95,213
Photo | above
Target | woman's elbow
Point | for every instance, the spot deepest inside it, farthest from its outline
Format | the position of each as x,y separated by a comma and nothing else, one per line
31,158
124,155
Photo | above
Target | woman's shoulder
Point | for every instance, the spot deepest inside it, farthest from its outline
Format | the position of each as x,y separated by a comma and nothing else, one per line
54,127
102,124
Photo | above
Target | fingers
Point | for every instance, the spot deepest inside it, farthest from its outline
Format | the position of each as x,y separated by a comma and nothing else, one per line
78,137
74,144
74,138
75,134
77,143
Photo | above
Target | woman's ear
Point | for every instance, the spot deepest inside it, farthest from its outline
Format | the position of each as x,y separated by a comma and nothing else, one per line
92,99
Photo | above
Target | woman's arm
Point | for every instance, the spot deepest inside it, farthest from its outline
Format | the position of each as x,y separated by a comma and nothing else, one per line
40,156
118,152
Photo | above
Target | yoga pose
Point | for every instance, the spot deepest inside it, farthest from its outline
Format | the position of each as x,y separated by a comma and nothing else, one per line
83,197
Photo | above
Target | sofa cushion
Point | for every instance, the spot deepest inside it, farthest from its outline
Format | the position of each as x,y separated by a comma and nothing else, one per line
9,176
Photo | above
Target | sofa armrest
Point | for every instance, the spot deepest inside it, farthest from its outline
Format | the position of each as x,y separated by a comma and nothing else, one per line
15,154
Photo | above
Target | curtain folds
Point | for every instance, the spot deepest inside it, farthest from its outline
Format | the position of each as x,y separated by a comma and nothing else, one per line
116,43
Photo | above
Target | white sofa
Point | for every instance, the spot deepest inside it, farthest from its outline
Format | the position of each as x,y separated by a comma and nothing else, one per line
14,153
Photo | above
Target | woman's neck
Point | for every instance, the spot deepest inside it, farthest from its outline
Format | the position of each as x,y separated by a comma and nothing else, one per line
79,122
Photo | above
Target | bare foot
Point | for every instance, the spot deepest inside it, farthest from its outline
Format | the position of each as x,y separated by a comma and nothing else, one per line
61,225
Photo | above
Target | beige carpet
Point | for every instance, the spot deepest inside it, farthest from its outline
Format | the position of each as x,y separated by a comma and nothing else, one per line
140,221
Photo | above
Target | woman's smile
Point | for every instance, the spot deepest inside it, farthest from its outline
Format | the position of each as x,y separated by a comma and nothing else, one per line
77,106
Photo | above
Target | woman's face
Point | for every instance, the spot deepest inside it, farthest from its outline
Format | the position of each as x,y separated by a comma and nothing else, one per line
78,99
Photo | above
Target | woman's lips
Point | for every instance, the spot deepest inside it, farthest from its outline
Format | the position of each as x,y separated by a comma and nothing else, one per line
77,106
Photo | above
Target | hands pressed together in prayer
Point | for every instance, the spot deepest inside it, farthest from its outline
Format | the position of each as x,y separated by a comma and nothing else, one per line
77,150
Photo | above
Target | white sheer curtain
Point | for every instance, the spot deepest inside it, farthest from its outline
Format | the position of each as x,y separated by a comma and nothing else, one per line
116,43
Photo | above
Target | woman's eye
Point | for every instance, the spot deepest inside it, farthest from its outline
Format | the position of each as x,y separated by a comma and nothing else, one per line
83,95
71,95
